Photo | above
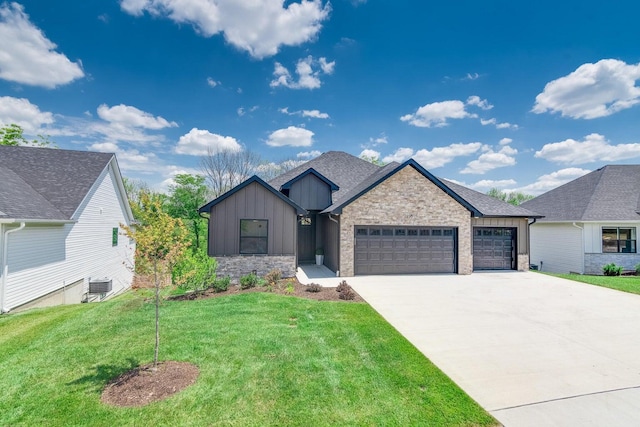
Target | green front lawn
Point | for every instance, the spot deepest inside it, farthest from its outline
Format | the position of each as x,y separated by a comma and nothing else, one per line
621,283
264,359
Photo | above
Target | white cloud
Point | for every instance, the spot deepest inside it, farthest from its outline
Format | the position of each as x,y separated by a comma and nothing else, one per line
550,181
308,154
211,82
128,116
27,56
482,103
292,137
23,113
308,78
198,142
485,185
382,139
493,121
130,160
436,157
370,154
490,160
258,27
594,148
505,141
592,90
240,111
471,76
438,113
315,114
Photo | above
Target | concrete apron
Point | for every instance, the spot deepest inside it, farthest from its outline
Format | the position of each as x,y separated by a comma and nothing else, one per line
533,350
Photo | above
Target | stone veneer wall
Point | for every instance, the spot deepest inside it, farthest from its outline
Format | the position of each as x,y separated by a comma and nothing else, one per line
593,263
238,266
407,198
523,262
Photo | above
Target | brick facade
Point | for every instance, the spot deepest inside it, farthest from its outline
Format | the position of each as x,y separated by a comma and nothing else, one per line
407,198
238,266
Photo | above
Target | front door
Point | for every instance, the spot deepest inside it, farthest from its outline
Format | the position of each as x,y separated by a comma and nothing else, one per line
307,239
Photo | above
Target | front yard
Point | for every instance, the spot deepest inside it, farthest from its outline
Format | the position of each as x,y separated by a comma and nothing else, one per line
621,283
264,359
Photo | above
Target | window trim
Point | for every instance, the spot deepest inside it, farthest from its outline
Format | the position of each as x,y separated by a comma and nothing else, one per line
618,241
266,238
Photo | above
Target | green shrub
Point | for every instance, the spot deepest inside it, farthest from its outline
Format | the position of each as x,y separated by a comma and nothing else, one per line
638,269
313,287
347,294
195,271
290,289
612,269
273,276
221,284
248,281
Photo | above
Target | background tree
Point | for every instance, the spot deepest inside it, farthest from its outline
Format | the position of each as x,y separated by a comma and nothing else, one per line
185,197
13,135
513,197
226,169
373,159
269,170
161,241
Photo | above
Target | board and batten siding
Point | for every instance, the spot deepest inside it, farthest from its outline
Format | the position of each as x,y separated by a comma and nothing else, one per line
559,246
45,258
252,202
330,232
311,193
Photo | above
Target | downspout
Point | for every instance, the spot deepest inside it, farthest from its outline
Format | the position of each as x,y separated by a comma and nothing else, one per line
529,240
338,223
582,244
5,265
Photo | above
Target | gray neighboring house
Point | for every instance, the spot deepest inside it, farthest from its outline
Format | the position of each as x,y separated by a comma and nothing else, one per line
367,219
60,216
588,222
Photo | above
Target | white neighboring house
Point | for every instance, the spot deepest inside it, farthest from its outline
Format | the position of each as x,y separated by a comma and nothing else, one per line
589,222
60,216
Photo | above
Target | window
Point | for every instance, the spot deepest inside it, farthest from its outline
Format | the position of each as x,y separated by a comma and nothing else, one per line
361,231
114,236
253,236
619,239
401,232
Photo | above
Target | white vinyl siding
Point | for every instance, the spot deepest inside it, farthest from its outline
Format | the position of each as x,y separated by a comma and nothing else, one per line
558,247
593,234
45,258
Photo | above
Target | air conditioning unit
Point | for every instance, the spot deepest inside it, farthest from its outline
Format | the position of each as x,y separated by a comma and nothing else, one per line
100,286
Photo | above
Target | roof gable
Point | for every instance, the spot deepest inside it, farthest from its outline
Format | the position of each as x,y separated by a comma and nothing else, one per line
287,185
610,193
207,208
61,178
386,173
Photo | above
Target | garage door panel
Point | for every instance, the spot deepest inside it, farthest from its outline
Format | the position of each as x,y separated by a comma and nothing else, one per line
493,248
405,250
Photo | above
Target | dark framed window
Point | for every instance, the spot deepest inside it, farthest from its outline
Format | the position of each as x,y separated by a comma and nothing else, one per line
114,236
254,234
619,240
361,231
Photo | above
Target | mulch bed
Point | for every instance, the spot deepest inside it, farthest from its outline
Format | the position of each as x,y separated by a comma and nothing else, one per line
144,385
299,290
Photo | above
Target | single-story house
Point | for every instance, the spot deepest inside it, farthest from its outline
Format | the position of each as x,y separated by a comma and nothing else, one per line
588,222
367,219
60,236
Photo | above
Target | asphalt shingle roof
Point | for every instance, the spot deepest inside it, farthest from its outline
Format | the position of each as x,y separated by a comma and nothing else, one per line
46,183
611,193
354,175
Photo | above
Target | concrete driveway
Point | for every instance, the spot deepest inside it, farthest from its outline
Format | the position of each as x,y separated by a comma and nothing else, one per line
533,350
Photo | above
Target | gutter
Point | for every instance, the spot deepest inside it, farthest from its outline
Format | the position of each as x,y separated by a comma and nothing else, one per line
581,244
5,265
529,239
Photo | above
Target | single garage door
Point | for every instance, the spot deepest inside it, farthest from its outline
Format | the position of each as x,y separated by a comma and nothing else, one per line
398,250
494,248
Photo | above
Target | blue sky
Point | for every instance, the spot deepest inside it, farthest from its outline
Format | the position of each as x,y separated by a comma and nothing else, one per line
516,95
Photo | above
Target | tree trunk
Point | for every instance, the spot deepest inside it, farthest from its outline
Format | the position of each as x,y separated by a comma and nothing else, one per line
157,283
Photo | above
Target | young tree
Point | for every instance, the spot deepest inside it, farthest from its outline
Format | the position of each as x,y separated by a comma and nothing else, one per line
185,197
160,242
226,169
13,135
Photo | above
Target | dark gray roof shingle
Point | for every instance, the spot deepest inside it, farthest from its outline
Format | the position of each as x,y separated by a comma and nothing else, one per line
46,183
611,193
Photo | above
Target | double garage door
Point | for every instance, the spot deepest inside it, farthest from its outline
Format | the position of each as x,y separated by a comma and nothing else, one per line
398,250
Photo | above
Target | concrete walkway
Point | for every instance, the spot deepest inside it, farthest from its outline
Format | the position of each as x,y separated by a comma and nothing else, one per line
533,350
